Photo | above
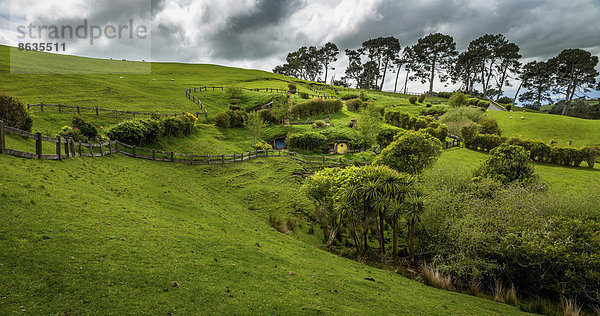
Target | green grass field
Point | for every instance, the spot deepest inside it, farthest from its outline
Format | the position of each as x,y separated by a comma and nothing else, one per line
114,234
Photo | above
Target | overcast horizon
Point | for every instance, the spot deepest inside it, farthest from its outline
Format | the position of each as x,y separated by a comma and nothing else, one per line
258,34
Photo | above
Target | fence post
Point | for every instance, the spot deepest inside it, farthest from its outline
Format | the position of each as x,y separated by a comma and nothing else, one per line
153,154
67,151
116,114
97,111
191,159
78,111
233,157
2,141
59,108
172,157
58,145
223,158
80,149
91,149
38,145
109,148
133,151
41,106
117,147
101,151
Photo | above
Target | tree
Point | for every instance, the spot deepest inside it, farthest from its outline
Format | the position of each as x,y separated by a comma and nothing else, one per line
434,54
506,164
382,51
327,55
537,79
485,50
369,76
575,72
354,71
281,107
255,124
398,62
414,208
410,152
508,63
369,124
465,71
13,113
409,59
305,63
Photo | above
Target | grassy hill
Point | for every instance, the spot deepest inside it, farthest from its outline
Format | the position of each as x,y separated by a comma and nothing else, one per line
114,234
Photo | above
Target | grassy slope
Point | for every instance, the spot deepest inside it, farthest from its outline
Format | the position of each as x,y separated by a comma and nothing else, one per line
546,127
113,234
560,178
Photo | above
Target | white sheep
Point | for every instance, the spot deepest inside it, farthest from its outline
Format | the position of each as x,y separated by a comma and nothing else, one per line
522,118
121,77
510,118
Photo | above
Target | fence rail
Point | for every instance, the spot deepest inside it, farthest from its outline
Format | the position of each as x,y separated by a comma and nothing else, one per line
67,147
78,109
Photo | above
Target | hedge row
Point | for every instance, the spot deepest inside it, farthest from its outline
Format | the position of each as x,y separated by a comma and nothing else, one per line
233,117
354,104
316,107
311,141
474,139
405,121
478,103
147,131
567,156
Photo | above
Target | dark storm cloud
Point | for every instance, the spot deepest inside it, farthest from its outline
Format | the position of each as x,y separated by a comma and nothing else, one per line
254,34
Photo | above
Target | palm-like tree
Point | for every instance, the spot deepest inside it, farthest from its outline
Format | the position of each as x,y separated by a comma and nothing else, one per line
414,208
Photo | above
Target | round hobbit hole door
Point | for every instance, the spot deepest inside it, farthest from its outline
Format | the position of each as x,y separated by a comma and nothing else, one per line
342,148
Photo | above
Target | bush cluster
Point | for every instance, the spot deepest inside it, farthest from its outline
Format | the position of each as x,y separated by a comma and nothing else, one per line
354,104
433,111
567,156
405,121
347,97
304,95
477,137
14,114
310,141
316,107
413,99
445,95
422,98
268,116
231,118
147,131
457,99
292,87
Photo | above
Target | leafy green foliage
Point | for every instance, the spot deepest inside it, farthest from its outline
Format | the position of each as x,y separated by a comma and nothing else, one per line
354,104
410,152
412,99
13,113
310,141
231,118
457,99
136,132
422,98
316,107
506,164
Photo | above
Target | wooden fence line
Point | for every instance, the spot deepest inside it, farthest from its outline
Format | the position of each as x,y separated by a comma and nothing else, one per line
66,148
97,110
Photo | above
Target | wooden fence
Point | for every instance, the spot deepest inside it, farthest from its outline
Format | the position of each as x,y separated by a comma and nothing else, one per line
189,93
96,110
66,148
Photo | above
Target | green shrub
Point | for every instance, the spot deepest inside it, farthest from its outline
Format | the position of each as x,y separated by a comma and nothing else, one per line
268,116
292,87
486,142
354,104
319,124
413,99
13,113
468,133
489,126
77,121
310,141
457,99
316,107
445,95
386,136
506,164
508,107
172,127
472,101
88,130
304,95
410,152
75,134
483,104
422,98
234,94
434,111
346,97
504,100
363,96
136,132
223,120
590,155
262,146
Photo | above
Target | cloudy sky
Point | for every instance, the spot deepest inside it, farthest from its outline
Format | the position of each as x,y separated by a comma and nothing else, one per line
259,33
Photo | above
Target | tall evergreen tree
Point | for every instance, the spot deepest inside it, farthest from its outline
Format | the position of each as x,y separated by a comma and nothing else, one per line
434,55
